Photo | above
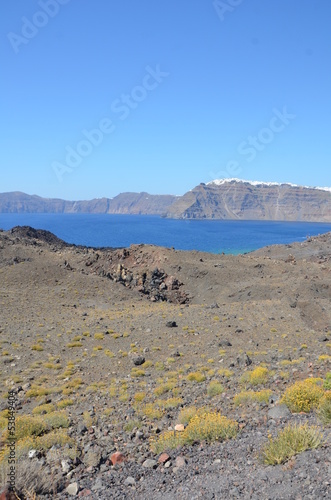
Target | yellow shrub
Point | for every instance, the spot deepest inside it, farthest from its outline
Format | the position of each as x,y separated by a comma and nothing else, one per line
163,388
99,336
139,396
196,377
256,377
45,408
204,426
302,396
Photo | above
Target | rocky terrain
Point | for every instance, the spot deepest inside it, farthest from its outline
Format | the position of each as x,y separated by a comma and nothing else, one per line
106,349
221,199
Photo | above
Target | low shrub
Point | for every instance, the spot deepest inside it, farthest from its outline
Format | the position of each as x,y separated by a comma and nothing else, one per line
324,408
327,382
196,377
252,396
302,396
186,414
290,441
203,426
255,377
214,389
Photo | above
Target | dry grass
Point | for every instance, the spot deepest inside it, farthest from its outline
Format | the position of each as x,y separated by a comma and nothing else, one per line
203,426
290,441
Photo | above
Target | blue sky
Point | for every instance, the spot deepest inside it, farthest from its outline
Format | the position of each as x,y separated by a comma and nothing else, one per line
100,97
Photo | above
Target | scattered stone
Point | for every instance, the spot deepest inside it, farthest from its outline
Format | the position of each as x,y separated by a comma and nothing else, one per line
117,458
130,481
224,343
81,428
138,360
72,489
179,427
66,466
98,485
180,461
92,458
33,454
150,463
244,360
171,324
279,411
163,458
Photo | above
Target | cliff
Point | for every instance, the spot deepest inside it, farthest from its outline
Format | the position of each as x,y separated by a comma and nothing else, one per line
124,203
236,199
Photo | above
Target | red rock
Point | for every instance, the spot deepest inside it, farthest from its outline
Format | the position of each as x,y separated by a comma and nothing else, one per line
117,458
8,494
85,493
163,458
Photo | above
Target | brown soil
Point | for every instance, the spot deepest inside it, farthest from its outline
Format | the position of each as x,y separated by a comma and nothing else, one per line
267,304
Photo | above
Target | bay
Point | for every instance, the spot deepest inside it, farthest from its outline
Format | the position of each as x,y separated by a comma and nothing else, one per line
215,236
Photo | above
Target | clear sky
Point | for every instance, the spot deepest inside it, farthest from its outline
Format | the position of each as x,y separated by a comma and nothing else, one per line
104,96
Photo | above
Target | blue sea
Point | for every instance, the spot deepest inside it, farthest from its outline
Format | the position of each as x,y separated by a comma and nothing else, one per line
215,236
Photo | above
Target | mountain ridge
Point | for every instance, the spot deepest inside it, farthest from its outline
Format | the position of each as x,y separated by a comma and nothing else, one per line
227,199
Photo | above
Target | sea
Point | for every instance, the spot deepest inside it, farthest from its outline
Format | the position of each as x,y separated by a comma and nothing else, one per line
214,236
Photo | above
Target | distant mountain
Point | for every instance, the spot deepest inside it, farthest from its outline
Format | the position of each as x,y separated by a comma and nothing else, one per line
124,203
253,200
219,199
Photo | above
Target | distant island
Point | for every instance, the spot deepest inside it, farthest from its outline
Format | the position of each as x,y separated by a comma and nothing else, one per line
226,199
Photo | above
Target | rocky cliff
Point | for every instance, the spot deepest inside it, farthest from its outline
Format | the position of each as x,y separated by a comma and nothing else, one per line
124,203
235,199
219,199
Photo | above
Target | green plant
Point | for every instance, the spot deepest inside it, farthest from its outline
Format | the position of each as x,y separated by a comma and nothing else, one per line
131,424
224,372
44,408
163,388
252,396
214,388
290,441
327,382
168,403
204,426
186,414
302,396
64,403
324,408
